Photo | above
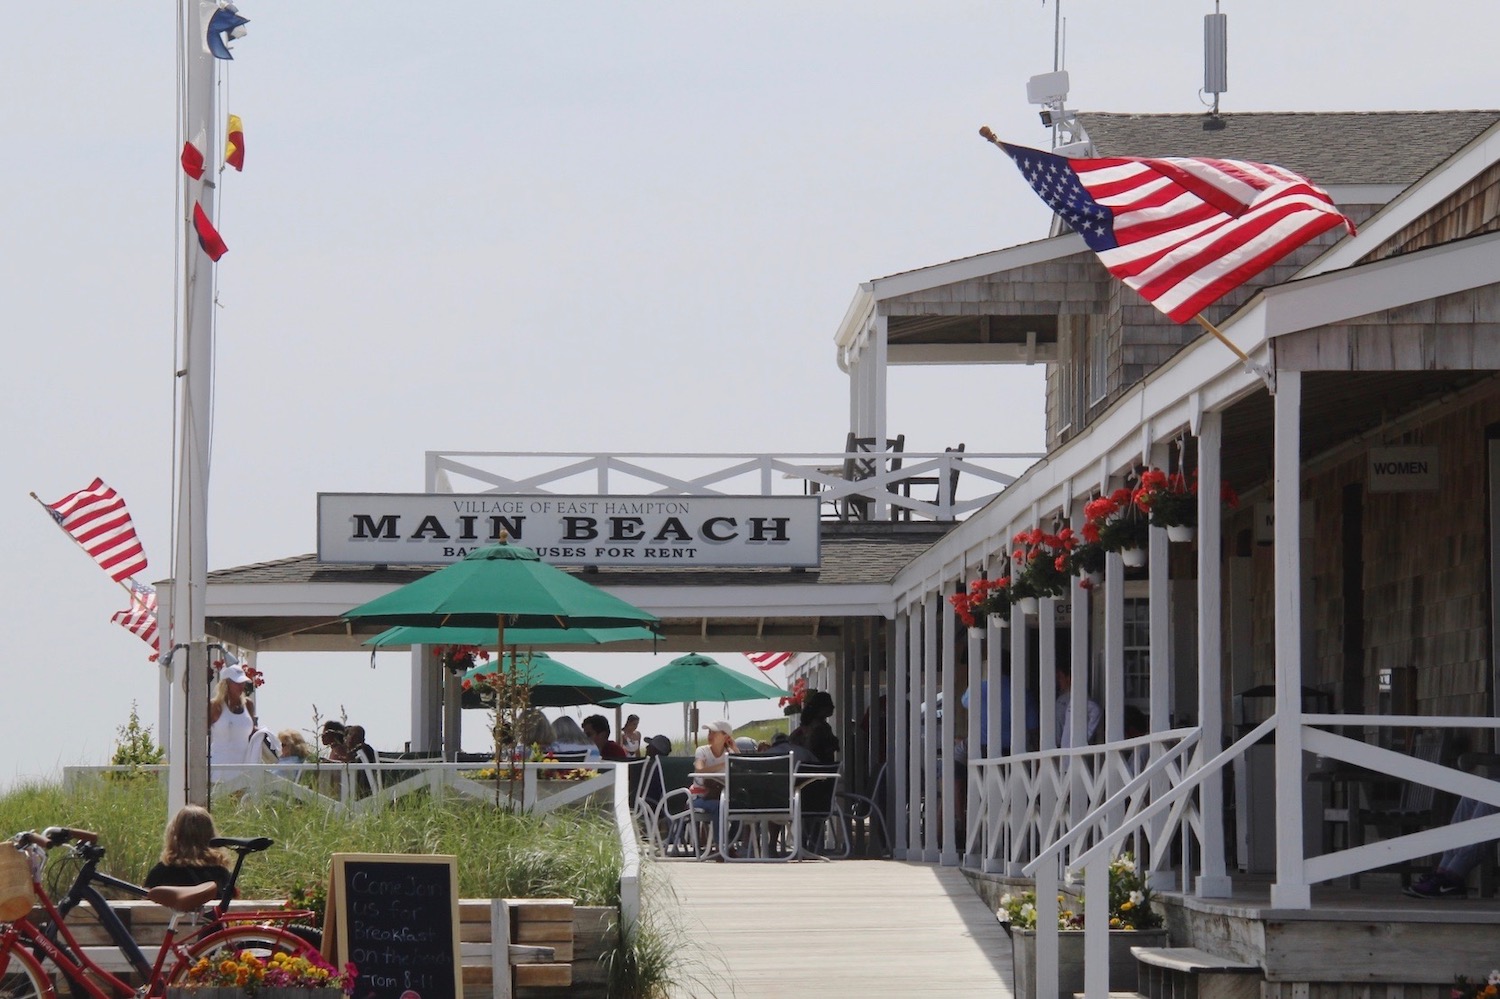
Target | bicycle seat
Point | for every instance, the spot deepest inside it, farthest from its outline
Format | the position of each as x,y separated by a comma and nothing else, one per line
183,899
253,845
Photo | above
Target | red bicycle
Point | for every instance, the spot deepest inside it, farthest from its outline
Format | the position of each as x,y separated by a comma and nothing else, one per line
202,926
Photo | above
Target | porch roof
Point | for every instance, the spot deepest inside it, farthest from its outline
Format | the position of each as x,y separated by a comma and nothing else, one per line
296,603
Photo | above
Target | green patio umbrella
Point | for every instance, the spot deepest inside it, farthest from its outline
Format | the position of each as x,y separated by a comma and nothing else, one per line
696,678
501,586
554,684
485,637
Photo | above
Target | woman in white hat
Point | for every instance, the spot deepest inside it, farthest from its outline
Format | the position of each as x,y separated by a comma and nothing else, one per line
231,718
712,758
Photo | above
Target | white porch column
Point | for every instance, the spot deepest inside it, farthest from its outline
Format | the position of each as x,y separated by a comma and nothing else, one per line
918,627
898,701
1290,891
931,606
1114,671
995,822
1159,636
948,772
975,742
1016,816
1214,881
426,705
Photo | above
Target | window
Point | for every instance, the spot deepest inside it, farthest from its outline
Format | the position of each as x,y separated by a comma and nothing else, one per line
1138,651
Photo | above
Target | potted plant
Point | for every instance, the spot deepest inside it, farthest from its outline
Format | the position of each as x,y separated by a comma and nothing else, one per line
1117,525
984,597
1171,501
1132,923
1041,565
1086,561
277,976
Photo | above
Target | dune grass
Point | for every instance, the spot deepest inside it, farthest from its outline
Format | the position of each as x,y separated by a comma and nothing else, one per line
572,853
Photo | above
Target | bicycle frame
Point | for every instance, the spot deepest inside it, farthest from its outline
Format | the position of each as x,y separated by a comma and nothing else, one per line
57,943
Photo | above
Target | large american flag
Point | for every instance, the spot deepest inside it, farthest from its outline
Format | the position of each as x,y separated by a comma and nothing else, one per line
97,519
140,617
1181,232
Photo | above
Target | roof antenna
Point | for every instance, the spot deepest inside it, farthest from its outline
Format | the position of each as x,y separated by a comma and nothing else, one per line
1050,91
1215,62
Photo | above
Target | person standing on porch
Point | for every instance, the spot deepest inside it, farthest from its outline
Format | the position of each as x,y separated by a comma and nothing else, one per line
231,720
1065,710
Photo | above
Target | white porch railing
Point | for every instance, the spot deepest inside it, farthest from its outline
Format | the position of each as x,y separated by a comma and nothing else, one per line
333,785
1026,802
980,477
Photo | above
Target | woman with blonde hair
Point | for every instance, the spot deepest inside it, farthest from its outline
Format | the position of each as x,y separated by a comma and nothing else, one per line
187,858
231,719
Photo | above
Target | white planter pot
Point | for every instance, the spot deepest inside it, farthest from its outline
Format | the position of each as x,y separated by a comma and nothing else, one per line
1000,620
1133,557
1028,605
1093,578
1180,533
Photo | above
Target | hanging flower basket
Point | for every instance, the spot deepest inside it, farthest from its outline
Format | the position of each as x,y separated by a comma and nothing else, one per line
983,597
1029,605
1115,523
1181,533
1171,501
1000,620
1133,557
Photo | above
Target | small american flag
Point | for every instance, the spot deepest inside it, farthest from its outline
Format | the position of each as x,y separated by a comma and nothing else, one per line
96,518
1182,232
140,618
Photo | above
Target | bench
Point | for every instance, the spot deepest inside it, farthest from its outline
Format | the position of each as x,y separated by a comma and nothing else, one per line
536,934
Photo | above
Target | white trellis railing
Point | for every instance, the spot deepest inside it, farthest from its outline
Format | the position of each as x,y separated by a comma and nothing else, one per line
916,488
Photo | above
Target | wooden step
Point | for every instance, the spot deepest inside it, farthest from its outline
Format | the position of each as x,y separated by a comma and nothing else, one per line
1192,973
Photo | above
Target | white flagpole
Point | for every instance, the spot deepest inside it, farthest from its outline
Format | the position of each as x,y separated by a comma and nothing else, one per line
188,754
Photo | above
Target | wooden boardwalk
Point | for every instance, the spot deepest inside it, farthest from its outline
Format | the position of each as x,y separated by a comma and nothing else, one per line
857,929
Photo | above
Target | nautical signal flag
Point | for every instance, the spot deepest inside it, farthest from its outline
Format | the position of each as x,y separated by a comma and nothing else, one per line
222,22
192,158
96,518
1183,232
208,237
234,143
140,617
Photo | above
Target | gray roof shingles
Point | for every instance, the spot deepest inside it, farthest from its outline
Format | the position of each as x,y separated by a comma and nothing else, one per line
1330,148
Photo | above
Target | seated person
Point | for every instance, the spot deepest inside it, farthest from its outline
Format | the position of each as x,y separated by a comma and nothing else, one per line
1449,879
813,733
186,858
534,730
712,758
570,738
596,728
335,739
361,753
655,787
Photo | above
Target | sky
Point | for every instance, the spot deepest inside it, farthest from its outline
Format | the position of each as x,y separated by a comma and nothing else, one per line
536,227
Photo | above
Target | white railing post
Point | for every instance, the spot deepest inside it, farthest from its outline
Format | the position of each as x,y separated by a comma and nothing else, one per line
1291,890
1046,932
1095,929
1014,795
994,777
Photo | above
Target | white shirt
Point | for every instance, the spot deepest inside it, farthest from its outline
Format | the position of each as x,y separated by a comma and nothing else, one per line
1065,720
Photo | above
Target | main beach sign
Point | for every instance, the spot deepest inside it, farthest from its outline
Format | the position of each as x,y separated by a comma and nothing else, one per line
437,528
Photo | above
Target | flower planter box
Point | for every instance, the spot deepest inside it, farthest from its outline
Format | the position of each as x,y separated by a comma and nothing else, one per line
1122,965
260,993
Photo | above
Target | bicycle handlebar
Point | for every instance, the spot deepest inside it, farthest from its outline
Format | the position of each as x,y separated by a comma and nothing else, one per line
54,836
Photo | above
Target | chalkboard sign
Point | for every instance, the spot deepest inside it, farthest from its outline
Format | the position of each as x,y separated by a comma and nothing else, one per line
396,917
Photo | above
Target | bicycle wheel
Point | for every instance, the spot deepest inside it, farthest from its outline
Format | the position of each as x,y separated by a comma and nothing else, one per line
21,977
263,941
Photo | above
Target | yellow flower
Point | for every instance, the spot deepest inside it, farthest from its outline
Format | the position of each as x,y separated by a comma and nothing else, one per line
1127,905
1114,922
